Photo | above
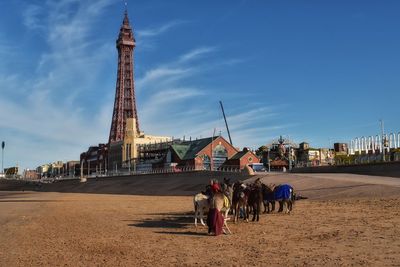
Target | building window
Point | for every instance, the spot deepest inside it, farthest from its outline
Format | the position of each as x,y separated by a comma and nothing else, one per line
250,159
219,156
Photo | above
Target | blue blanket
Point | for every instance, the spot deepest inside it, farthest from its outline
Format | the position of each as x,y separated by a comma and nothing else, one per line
283,192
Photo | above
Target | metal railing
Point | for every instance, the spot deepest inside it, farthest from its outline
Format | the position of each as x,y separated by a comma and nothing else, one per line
165,170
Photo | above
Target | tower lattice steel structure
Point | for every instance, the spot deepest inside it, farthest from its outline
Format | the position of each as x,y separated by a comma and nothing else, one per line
125,102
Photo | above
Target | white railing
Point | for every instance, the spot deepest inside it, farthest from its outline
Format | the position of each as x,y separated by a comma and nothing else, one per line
374,144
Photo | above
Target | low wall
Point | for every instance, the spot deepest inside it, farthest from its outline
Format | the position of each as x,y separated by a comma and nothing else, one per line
391,169
185,183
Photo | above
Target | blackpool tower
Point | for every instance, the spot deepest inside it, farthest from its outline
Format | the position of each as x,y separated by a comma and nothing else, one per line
124,103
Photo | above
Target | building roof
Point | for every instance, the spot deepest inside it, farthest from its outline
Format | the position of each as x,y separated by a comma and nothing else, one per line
189,149
239,155
180,150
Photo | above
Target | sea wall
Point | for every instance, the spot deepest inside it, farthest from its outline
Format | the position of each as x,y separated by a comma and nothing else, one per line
185,183
391,169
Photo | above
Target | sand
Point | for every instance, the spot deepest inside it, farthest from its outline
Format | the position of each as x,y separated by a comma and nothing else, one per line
345,222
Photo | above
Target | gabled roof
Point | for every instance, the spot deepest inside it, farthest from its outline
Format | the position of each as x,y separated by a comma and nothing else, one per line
189,149
180,150
243,153
196,146
239,155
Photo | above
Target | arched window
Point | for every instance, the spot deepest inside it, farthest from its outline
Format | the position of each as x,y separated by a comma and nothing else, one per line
220,155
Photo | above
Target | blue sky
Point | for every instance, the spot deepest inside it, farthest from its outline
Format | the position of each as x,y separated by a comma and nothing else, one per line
317,71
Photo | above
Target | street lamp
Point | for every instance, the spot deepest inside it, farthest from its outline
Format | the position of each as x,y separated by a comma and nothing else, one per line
383,139
3,144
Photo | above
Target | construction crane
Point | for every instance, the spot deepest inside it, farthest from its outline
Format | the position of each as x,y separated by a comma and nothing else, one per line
226,123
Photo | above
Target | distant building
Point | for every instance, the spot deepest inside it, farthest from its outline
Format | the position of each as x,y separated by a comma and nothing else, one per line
50,169
31,175
304,146
94,160
280,154
241,159
341,148
71,168
307,156
124,154
11,171
210,153
42,170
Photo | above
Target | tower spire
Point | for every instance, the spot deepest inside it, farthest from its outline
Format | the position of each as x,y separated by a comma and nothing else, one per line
125,102
126,20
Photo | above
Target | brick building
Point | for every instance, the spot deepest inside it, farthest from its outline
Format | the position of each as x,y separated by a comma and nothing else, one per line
242,158
202,154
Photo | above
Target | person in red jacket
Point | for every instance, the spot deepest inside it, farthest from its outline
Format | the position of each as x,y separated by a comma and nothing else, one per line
215,187
215,220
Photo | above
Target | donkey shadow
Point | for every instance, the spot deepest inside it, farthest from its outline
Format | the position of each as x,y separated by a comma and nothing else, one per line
165,220
171,221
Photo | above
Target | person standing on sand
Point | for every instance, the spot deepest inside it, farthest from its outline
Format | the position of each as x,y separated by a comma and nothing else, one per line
215,220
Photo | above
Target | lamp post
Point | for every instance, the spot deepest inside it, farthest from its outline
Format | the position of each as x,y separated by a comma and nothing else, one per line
269,162
3,144
88,168
83,179
383,139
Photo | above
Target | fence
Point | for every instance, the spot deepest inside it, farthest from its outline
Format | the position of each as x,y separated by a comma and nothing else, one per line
165,170
375,143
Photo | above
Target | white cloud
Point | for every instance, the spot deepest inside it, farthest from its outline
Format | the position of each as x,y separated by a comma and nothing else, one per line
161,76
196,53
32,17
155,31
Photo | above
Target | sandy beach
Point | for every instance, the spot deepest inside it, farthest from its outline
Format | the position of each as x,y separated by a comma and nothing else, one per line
347,220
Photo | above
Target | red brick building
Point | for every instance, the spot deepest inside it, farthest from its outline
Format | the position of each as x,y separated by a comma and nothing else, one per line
201,154
207,153
242,158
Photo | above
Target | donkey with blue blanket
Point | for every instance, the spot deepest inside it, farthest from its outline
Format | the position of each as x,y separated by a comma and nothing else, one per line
283,193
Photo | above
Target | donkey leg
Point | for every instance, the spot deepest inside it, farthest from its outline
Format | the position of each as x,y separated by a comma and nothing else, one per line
227,228
280,206
254,214
202,218
290,204
236,215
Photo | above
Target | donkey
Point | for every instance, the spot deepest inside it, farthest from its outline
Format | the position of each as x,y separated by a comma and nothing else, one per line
284,193
268,198
255,199
239,201
201,205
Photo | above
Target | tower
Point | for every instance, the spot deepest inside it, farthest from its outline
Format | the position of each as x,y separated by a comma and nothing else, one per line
124,103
